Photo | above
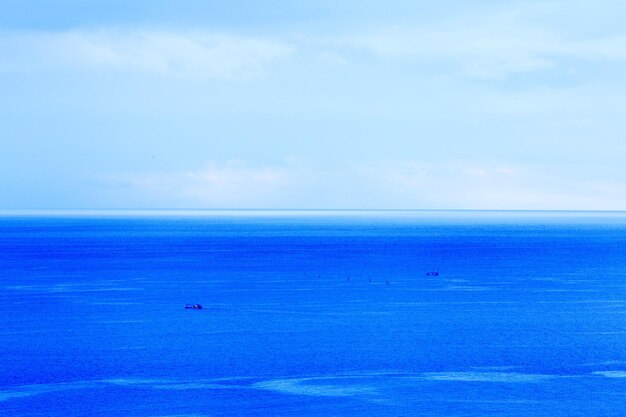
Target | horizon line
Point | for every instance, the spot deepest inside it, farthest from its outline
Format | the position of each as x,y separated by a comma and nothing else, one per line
214,211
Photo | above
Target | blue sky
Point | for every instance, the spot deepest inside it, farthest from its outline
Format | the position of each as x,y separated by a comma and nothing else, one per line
313,104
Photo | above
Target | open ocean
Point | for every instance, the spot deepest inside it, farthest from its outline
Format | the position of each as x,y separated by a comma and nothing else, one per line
313,314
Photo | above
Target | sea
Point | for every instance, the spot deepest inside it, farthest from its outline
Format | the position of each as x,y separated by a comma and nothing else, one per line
312,313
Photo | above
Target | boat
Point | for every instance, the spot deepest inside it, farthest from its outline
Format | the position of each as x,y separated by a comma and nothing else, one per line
432,274
193,306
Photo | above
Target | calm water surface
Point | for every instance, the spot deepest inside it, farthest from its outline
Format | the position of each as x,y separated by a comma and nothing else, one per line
313,314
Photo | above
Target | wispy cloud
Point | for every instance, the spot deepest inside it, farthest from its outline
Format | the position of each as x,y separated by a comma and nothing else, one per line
228,184
489,46
161,52
382,184
483,185
492,46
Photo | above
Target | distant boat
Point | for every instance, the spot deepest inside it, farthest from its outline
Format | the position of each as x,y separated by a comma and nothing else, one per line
432,274
193,306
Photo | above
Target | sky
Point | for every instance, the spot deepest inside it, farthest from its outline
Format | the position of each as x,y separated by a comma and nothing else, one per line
313,104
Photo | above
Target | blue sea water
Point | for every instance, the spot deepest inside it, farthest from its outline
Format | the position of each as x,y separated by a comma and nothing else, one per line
313,314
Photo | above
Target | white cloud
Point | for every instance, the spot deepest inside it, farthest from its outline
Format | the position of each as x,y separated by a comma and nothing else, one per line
229,184
185,54
491,46
383,184
476,185
488,46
